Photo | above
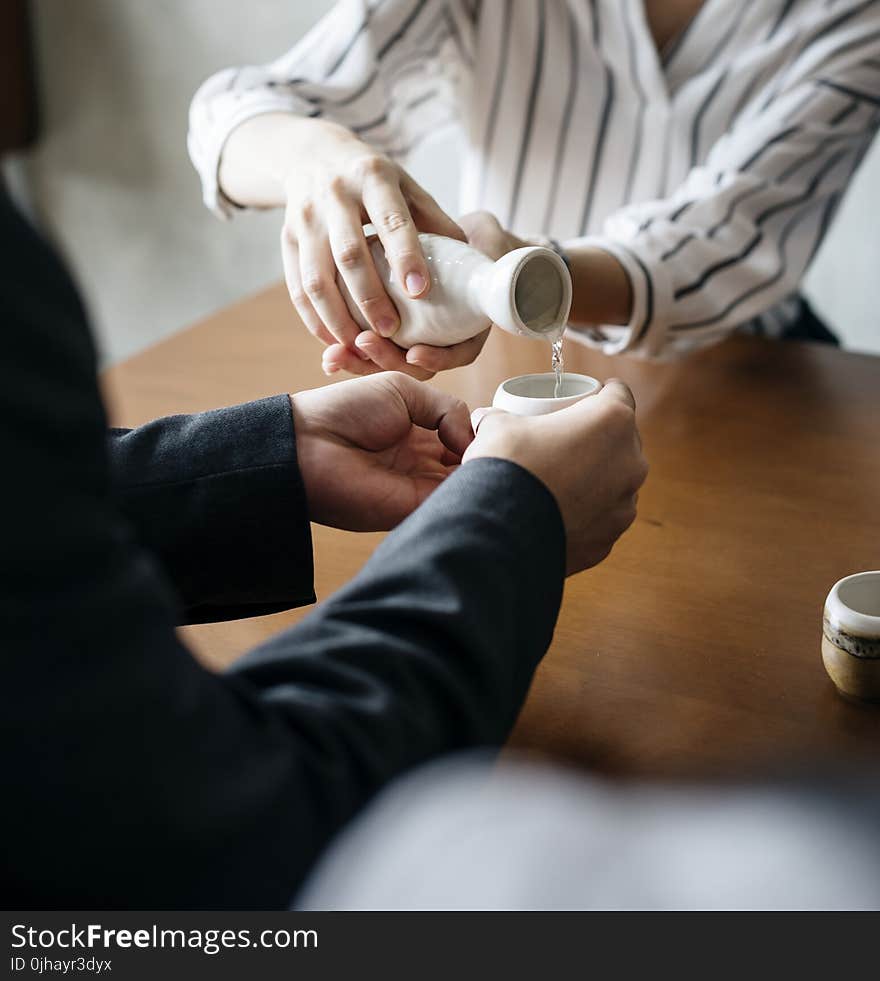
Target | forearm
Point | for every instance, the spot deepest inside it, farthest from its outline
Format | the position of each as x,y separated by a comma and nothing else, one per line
218,498
432,647
265,153
601,288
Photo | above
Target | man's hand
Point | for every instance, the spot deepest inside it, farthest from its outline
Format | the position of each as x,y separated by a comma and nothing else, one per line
590,458
424,360
370,450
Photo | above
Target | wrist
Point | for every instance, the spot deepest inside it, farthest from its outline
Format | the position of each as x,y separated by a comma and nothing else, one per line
601,289
304,443
319,147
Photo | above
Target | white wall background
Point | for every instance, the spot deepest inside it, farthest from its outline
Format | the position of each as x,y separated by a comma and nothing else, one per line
112,181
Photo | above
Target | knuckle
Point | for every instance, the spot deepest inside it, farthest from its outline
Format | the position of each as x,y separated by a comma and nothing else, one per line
638,473
599,553
405,257
400,380
482,222
337,186
631,487
395,221
306,213
372,165
288,236
429,361
349,255
375,305
315,285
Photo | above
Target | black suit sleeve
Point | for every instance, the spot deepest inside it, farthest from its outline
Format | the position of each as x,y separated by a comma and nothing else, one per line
135,778
217,497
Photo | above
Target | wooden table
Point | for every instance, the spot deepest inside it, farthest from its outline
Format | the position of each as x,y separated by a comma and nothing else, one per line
694,649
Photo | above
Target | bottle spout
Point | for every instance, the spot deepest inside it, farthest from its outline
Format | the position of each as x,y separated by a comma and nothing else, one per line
529,293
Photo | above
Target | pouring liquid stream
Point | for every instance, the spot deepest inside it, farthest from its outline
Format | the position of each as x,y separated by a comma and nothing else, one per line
558,366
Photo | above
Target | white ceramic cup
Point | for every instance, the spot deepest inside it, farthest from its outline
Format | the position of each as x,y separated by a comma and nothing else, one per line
532,395
851,635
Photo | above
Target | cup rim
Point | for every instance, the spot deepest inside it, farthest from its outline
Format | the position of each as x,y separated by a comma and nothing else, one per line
847,618
594,386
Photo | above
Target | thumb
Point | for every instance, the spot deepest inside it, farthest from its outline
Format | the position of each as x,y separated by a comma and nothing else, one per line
432,408
617,390
487,417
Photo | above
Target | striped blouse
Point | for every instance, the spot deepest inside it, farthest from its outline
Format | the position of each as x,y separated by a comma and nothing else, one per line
711,173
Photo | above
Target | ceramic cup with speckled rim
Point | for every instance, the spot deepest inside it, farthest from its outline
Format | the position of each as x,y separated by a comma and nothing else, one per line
851,635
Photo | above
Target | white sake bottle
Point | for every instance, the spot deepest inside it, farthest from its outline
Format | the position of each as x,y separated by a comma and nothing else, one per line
526,292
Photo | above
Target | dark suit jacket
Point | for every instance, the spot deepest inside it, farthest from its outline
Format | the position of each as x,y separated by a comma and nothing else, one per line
133,777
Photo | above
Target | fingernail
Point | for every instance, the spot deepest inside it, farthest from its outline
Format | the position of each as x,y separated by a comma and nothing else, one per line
361,354
386,326
330,369
413,359
415,283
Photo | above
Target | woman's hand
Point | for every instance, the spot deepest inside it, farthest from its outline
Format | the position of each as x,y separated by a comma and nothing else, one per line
423,360
370,450
339,185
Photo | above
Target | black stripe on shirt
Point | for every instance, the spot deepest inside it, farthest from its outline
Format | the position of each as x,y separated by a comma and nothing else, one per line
503,58
798,107
847,90
346,51
530,112
817,150
677,247
727,35
720,266
649,296
401,31
756,239
565,123
816,36
455,34
607,103
735,201
827,215
672,49
682,208
782,135
754,84
746,165
783,13
636,148
863,41
413,104
758,287
712,231
845,112
365,86
698,117
758,79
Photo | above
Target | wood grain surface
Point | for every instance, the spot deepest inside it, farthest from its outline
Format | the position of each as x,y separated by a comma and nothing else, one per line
694,650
